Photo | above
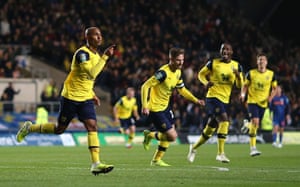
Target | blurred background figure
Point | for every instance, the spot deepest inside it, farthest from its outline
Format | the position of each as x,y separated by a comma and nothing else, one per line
124,110
41,115
8,96
50,92
280,107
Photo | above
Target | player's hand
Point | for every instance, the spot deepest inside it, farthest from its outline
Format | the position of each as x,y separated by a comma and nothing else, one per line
236,72
145,111
116,121
137,118
110,50
209,84
96,101
242,97
201,102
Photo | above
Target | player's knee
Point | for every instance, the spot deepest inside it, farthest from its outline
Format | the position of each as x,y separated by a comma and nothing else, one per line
172,138
252,130
223,127
222,136
91,128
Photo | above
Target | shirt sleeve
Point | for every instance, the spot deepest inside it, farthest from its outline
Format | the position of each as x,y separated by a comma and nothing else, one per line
152,81
204,71
83,59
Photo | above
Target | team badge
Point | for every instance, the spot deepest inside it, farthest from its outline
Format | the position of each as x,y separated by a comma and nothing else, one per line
83,57
158,75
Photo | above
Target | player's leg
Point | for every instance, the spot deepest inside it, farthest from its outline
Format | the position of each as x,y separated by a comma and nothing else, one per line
94,147
222,134
164,139
131,135
87,115
274,134
67,112
281,130
207,132
159,153
252,134
122,129
256,114
164,123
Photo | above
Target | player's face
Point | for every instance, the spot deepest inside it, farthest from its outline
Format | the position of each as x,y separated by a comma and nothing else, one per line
226,52
278,91
130,93
95,37
262,62
178,61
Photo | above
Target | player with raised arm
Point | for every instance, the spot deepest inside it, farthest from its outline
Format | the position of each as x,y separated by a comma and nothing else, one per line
78,98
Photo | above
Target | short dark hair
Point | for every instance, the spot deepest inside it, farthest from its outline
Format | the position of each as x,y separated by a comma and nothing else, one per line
175,51
261,54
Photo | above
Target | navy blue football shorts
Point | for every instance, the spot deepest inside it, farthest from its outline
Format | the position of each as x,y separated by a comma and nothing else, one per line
126,123
70,109
214,107
255,111
163,120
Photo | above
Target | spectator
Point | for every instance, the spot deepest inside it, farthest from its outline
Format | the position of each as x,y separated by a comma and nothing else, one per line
50,92
8,97
207,21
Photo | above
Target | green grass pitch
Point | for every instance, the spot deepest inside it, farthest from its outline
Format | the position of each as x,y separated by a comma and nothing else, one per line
69,166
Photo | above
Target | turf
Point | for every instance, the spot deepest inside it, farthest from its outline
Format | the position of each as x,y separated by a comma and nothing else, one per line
69,166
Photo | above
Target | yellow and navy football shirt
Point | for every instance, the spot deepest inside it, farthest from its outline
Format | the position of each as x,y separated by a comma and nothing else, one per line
259,86
221,75
85,67
125,107
162,84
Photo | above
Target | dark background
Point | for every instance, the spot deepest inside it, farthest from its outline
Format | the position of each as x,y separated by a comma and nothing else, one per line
284,23
279,17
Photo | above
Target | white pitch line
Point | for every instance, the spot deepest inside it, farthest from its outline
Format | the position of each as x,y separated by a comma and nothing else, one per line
151,168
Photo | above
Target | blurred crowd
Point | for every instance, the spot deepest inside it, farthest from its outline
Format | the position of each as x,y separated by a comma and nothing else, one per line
12,62
143,32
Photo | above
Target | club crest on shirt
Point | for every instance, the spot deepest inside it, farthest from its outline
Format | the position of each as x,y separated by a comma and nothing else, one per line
159,75
83,57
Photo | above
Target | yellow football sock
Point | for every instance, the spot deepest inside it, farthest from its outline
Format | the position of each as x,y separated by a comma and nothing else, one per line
152,135
221,145
94,146
206,134
161,136
130,137
252,135
161,150
44,128
222,133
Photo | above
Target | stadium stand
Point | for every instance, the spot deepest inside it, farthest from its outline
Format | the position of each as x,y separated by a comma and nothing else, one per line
143,32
